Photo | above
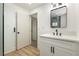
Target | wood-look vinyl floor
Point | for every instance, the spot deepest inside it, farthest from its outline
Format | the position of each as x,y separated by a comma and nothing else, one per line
26,51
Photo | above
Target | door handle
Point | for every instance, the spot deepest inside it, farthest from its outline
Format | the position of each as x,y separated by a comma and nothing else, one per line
14,29
18,32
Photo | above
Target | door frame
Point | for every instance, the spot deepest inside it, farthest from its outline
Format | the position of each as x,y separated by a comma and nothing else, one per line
36,28
16,33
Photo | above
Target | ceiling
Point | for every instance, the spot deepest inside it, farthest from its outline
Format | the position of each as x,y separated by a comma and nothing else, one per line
30,6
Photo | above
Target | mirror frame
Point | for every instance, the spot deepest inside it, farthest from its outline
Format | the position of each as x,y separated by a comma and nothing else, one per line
51,17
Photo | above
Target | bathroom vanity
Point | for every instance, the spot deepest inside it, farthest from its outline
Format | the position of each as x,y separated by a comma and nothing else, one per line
51,45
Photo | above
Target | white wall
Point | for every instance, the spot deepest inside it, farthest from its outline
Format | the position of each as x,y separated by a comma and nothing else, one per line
9,23
43,18
76,17
43,15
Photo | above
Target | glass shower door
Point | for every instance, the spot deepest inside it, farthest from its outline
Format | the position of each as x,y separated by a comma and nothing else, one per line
1,29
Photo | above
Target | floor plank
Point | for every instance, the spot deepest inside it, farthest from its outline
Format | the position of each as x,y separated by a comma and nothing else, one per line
26,51
34,51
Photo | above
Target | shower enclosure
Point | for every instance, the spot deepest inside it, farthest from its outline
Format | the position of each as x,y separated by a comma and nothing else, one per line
1,30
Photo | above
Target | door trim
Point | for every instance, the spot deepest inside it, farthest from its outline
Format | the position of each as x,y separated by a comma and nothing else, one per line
36,28
16,32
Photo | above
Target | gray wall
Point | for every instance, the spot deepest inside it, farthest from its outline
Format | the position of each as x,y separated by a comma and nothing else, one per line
1,29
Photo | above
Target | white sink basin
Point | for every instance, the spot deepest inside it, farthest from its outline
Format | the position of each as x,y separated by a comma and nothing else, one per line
51,35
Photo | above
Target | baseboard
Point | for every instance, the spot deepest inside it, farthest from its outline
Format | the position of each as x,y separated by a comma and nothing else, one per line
6,52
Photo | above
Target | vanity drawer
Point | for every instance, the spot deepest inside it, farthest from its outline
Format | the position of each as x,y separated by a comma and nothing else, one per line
72,46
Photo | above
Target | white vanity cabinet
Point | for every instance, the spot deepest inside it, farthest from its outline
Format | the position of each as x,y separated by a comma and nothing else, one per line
56,47
45,48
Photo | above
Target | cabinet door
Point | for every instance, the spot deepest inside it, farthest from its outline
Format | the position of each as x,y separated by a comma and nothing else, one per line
58,51
45,48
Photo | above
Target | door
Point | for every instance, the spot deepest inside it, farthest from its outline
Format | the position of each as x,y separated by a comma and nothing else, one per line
1,29
9,34
45,48
23,30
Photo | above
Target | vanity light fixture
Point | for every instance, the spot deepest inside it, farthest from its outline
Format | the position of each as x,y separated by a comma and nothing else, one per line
59,4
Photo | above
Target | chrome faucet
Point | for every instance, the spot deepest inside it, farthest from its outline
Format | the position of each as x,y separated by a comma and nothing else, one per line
56,32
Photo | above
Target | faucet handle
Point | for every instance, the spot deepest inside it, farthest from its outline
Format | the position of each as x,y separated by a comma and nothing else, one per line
60,34
56,30
53,33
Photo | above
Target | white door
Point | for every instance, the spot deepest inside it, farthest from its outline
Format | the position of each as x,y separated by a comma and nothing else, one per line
23,30
9,34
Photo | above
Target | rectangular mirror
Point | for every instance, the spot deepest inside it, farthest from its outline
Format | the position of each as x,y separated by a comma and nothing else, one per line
59,17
